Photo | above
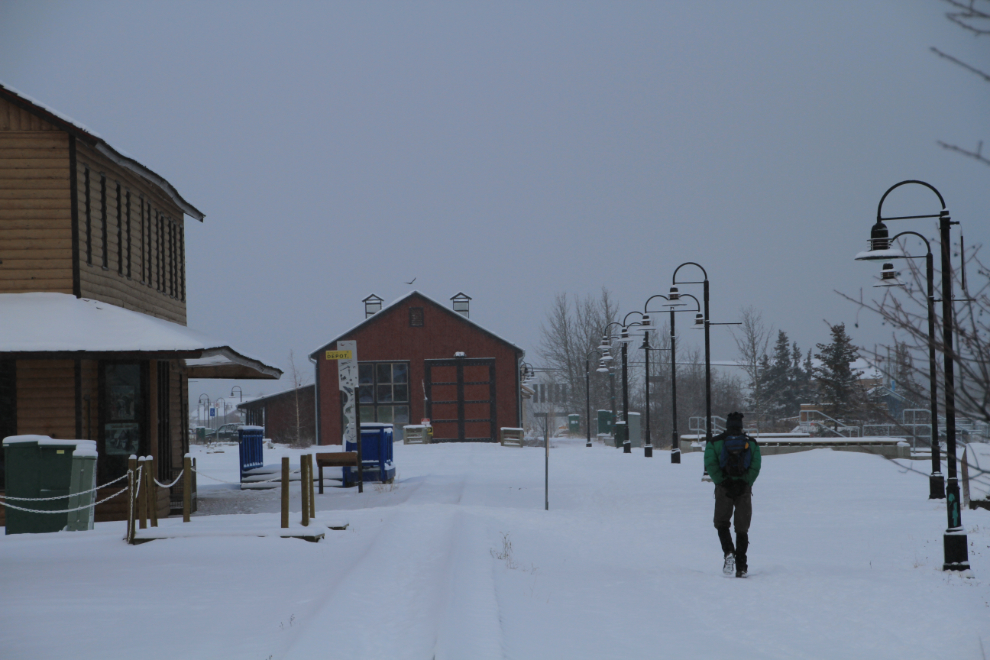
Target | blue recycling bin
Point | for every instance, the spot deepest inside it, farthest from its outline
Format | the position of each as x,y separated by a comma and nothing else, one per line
251,448
376,454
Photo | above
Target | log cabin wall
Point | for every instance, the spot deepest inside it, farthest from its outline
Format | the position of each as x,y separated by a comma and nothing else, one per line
131,245
129,234
35,204
46,398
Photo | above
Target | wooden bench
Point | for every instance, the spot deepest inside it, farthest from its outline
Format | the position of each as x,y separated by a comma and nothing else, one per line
335,459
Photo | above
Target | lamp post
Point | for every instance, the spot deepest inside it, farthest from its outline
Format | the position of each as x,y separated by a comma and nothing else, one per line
587,392
625,338
207,408
217,403
701,320
877,251
240,392
605,349
648,447
956,552
650,323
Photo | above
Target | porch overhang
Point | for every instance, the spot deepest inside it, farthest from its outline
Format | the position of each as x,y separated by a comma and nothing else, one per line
61,326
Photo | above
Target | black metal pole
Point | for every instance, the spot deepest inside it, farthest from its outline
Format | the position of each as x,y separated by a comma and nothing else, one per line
546,465
587,395
954,540
708,381
626,441
936,482
611,384
675,448
648,447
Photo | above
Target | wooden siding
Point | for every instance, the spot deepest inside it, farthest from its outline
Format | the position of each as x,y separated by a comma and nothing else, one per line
46,398
153,287
35,205
13,118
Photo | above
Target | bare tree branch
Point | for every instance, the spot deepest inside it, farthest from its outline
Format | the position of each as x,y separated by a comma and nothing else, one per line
977,155
973,69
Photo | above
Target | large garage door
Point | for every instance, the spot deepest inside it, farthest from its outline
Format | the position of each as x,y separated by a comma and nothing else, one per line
461,399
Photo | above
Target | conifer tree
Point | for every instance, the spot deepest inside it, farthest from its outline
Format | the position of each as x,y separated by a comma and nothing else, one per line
837,381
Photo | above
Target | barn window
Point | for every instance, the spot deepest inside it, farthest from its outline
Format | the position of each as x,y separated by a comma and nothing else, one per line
416,317
384,392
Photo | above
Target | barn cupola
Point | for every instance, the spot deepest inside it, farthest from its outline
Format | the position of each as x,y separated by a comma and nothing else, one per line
462,305
372,305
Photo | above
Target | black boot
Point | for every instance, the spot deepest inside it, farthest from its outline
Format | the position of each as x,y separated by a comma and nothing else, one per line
742,544
725,537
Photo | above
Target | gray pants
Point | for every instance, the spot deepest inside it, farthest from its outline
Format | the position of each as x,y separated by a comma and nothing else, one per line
724,506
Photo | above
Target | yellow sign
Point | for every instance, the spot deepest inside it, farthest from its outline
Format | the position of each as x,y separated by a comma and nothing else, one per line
338,355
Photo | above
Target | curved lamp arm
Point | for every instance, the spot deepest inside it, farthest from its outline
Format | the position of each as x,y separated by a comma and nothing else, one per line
673,280
880,218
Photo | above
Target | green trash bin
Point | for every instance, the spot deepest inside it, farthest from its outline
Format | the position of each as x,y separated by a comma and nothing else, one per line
604,422
621,433
574,424
36,466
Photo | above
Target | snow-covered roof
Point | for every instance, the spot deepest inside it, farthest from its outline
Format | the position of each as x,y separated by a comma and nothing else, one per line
394,303
254,400
70,125
62,323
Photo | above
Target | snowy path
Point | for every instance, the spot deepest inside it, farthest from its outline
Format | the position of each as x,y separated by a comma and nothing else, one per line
845,562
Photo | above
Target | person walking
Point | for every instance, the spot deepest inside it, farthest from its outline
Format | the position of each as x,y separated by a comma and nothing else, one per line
732,460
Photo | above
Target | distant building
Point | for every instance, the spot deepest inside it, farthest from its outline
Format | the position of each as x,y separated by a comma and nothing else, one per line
419,359
278,414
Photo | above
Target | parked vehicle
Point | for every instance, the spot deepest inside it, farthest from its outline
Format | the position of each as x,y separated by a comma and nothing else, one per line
226,433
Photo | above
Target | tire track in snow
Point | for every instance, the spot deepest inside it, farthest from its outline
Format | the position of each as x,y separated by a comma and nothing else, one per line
404,595
468,621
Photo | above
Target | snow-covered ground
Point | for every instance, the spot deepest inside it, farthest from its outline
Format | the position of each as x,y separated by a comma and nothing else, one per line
459,560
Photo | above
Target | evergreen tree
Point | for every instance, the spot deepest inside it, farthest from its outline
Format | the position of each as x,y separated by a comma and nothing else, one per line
778,385
837,381
802,388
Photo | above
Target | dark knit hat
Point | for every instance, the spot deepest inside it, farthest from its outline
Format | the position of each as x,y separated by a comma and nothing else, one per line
734,423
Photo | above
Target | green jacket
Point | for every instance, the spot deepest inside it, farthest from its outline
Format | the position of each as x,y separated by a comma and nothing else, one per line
714,449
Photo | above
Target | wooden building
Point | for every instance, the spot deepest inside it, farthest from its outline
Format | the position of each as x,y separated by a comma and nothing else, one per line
287,417
93,343
419,359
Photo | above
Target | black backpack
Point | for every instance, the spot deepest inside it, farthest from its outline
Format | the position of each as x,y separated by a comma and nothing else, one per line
737,454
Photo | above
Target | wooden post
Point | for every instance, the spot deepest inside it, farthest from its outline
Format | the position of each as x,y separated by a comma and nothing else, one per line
312,490
153,492
303,469
143,493
186,487
131,482
285,492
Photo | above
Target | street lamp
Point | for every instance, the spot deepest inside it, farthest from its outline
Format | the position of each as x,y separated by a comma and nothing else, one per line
701,320
587,390
675,450
607,360
880,250
626,337
217,403
207,408
956,552
240,392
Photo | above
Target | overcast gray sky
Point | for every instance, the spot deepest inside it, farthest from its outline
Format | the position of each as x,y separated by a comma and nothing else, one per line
517,150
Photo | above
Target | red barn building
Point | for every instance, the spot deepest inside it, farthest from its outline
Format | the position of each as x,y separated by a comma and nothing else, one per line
419,359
